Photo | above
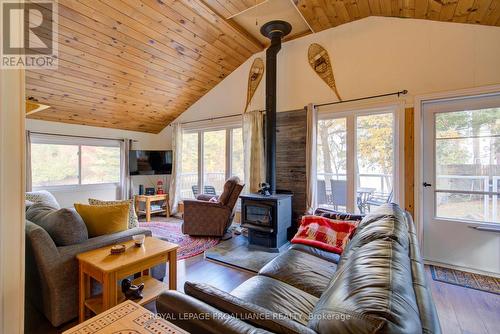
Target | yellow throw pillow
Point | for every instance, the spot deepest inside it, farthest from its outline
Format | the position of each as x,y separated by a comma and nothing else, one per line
104,219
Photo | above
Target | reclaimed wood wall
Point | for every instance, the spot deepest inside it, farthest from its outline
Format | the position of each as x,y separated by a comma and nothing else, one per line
291,157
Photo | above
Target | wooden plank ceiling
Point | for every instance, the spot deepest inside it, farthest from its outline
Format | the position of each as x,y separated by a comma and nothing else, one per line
138,64
135,64
324,14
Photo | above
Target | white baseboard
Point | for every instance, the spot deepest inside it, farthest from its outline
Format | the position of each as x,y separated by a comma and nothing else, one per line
451,266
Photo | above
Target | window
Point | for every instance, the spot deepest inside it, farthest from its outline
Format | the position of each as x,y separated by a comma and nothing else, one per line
209,157
356,162
467,160
189,164
68,161
237,152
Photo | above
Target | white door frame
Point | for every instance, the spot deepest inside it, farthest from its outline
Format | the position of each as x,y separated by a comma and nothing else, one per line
418,146
12,195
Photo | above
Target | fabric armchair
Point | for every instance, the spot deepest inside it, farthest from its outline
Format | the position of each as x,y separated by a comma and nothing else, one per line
52,272
209,215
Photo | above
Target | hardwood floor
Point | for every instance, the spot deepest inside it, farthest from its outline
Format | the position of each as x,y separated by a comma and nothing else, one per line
460,310
463,310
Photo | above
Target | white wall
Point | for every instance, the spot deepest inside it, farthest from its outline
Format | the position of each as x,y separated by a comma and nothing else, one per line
145,141
12,176
375,55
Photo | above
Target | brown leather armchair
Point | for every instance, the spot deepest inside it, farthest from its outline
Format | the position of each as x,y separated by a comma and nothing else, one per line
209,215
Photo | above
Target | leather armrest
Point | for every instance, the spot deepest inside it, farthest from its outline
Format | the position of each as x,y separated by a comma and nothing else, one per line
195,316
237,307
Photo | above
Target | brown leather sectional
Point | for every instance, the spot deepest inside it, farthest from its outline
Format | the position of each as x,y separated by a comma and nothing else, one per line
378,285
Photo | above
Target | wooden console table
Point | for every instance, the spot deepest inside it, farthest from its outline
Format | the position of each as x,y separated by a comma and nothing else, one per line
148,199
127,317
107,269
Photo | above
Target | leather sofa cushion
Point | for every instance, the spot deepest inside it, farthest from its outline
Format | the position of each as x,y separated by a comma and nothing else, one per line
388,222
328,256
338,215
246,311
302,270
371,293
196,316
277,297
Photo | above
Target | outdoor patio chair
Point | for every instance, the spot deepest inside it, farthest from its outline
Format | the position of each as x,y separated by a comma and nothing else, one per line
339,193
321,191
208,190
377,199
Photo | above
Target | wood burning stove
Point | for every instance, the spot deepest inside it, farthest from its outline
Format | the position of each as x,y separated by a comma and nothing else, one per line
267,219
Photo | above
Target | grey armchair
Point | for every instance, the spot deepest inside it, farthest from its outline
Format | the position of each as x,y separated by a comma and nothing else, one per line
52,271
211,216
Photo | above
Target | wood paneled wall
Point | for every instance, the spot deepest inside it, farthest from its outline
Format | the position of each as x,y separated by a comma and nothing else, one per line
291,157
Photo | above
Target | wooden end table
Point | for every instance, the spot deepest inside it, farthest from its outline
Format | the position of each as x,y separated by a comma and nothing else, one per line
180,209
107,269
127,317
148,199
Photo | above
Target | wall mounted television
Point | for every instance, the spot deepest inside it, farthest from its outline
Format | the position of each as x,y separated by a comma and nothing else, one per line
150,162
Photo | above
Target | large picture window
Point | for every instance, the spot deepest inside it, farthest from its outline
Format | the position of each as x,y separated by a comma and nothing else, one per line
68,161
209,157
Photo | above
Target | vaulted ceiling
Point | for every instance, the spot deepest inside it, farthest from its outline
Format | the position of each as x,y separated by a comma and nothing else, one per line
135,64
138,64
324,14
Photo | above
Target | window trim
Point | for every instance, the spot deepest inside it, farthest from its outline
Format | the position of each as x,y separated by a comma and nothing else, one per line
79,142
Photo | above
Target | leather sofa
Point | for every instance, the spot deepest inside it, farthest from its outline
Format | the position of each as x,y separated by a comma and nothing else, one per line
378,285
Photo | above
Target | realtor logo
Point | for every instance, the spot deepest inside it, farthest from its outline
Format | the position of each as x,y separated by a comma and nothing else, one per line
29,34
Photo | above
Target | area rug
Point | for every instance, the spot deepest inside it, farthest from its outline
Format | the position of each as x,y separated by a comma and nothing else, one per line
236,253
169,229
466,279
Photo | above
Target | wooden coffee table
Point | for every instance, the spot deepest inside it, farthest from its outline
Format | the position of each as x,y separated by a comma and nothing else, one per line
125,318
107,269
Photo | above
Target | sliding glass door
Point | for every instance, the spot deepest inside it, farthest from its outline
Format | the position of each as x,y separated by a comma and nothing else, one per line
356,159
209,157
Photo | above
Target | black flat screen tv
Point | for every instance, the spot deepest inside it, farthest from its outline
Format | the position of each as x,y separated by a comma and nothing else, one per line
150,162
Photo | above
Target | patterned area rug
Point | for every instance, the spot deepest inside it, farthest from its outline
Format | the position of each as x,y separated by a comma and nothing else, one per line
169,229
465,279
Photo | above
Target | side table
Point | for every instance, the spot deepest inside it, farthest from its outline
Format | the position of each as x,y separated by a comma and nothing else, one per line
148,199
108,269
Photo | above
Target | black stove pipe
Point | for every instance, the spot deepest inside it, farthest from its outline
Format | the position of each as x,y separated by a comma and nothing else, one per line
275,31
